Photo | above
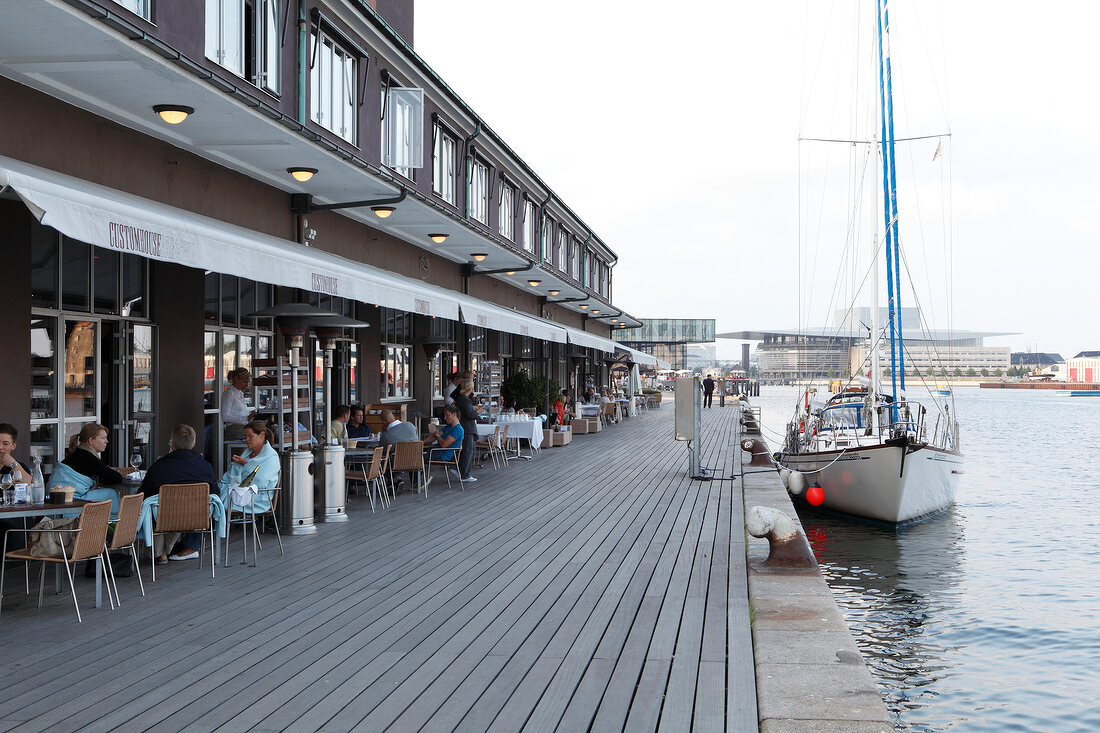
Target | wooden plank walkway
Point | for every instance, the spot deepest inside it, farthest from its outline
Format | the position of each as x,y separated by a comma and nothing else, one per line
592,588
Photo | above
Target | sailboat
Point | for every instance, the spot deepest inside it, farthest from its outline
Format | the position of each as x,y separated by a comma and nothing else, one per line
870,451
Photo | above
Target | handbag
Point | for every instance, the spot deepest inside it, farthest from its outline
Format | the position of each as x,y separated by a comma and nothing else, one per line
48,544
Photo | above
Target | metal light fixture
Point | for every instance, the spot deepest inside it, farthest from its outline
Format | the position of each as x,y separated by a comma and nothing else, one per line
584,306
553,292
438,238
595,313
301,174
509,272
173,114
479,256
382,212
534,283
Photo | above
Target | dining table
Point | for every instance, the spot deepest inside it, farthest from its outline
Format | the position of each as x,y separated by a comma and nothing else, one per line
529,430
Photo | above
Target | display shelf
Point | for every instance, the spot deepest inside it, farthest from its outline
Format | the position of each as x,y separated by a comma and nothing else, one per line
277,401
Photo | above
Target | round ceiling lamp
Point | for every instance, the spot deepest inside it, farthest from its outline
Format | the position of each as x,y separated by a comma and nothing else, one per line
173,114
554,292
584,306
479,256
383,212
301,174
510,272
438,238
534,283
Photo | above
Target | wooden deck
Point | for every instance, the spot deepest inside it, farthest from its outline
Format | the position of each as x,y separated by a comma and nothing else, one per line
592,588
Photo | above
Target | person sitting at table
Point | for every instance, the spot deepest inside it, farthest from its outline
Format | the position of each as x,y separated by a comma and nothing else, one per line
8,464
259,454
449,436
235,411
338,428
183,465
356,427
395,431
83,468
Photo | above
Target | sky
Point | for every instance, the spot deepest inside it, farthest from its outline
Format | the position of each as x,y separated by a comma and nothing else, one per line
673,131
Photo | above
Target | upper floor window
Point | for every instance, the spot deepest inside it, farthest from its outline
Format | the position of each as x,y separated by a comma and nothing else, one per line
443,164
547,239
137,7
506,218
402,128
333,77
479,191
563,246
588,269
530,226
575,260
242,36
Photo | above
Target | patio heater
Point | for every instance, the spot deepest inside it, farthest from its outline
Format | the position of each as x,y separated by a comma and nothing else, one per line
328,475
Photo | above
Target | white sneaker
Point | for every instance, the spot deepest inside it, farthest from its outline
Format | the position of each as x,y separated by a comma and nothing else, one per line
468,479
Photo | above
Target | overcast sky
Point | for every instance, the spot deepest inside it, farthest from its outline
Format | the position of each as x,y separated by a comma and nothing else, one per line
672,129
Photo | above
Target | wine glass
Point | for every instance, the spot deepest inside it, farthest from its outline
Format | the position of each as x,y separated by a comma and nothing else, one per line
6,481
135,460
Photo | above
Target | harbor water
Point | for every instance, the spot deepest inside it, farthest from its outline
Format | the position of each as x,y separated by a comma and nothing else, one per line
987,617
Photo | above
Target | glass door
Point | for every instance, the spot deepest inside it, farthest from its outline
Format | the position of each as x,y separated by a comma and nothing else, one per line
127,404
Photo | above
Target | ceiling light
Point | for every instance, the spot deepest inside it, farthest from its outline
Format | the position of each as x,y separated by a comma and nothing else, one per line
438,238
510,272
534,283
479,256
554,292
173,114
301,174
382,212
595,313
583,306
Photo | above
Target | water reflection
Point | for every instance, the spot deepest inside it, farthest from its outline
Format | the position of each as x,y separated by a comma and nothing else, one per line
895,590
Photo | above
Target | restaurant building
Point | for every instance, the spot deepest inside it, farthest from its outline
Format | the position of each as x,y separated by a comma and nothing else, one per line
169,168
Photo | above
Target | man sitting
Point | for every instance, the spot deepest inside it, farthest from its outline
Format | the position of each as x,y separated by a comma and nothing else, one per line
184,465
396,431
338,427
449,436
8,464
355,427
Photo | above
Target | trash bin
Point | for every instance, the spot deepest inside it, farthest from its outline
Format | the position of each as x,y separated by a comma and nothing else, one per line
297,493
328,477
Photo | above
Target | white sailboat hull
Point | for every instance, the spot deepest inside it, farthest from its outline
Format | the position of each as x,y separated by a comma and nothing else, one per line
871,481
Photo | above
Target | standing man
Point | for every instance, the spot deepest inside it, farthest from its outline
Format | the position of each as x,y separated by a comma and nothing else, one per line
708,391
449,390
235,411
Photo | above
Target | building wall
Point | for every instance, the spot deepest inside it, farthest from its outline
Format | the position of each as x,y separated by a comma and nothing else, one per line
1082,369
15,404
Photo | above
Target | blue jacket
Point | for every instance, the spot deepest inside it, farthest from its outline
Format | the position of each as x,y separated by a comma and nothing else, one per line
267,477
179,467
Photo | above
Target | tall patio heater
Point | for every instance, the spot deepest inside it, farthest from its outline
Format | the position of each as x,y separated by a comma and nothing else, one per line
328,473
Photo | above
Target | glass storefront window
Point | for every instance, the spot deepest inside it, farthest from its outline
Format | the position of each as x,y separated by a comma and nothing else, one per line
396,378
105,274
141,355
134,272
45,251
210,366
80,369
43,368
76,275
230,308
44,444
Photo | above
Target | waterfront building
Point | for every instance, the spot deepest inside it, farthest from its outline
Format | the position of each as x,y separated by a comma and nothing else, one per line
1085,367
842,350
667,339
168,169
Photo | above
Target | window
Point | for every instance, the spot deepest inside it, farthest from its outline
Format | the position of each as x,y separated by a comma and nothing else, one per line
242,36
402,128
443,164
506,219
137,7
530,228
395,379
332,77
547,241
563,247
479,191
575,260
588,269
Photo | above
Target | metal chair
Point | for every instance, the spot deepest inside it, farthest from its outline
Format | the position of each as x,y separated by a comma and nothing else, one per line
246,517
447,463
371,476
89,543
186,508
487,444
129,514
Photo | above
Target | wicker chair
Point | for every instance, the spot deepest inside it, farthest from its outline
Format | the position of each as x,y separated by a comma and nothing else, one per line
129,513
370,474
488,444
90,543
607,414
186,508
409,456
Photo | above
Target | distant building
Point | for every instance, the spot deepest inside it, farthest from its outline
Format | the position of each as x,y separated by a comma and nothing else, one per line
1035,360
668,339
700,355
842,350
1085,367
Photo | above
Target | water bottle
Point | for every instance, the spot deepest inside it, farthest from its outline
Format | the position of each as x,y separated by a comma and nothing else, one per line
38,483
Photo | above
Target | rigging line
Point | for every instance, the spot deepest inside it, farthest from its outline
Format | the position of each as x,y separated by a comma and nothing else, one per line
872,142
808,93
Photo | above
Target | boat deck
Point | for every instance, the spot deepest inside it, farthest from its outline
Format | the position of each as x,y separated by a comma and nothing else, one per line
590,588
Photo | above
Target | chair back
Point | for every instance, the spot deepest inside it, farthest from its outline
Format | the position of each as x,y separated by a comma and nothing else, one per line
494,438
375,469
408,456
609,409
503,435
184,508
275,494
129,512
93,530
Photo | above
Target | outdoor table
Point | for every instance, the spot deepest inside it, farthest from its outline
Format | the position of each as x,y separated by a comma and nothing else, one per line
68,509
529,430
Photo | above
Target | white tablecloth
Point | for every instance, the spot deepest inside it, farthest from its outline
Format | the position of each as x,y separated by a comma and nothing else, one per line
529,430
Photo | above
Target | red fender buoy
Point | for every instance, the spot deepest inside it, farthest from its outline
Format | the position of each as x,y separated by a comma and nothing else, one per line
815,495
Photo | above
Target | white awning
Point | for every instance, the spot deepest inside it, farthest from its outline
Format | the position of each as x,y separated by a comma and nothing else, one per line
123,222
591,340
498,318
640,357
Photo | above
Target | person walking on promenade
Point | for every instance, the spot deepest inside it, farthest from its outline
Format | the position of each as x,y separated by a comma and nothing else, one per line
708,391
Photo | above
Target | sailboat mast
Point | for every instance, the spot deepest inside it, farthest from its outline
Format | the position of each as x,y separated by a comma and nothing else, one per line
893,188
889,189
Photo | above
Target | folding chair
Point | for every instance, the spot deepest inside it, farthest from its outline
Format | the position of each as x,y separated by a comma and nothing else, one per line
90,543
186,508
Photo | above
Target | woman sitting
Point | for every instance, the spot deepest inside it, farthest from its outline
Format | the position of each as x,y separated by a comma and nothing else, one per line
259,456
83,467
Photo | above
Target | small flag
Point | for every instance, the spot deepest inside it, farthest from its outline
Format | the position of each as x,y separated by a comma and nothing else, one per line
938,150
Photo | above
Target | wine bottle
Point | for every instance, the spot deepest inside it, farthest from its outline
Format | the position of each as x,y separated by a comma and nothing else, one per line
247,480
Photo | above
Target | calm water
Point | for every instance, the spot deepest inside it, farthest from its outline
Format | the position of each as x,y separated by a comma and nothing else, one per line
986,618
